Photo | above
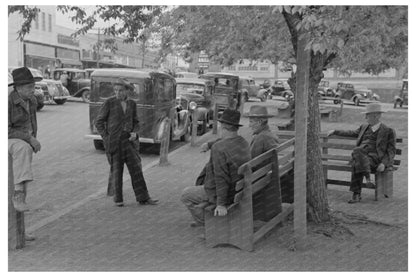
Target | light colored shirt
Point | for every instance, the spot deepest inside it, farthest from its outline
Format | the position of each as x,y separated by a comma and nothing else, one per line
374,128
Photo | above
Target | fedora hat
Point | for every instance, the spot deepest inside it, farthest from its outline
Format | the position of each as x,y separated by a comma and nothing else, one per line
123,82
373,108
258,111
231,117
23,76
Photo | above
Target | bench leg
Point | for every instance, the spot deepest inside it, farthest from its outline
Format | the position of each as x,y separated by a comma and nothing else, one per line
384,183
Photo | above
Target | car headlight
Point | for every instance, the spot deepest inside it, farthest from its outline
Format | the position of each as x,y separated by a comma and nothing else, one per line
192,105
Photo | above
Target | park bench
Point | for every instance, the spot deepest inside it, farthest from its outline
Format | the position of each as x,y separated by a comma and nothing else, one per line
336,154
330,112
257,206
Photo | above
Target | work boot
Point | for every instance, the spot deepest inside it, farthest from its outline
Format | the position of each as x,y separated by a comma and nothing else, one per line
19,202
356,197
149,201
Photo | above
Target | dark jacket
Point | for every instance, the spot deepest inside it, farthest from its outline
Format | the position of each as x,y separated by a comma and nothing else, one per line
262,142
385,144
19,120
111,121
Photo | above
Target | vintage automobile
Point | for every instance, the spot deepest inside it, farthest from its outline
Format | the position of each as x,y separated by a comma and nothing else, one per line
281,88
401,99
196,95
53,91
38,92
324,89
185,74
155,95
357,95
226,91
78,83
249,88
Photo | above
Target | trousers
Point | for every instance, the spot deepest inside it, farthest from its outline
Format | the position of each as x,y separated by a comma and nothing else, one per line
21,153
127,154
363,163
191,197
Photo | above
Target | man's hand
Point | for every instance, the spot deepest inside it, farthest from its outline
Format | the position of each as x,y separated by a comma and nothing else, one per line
133,136
220,211
381,167
35,144
204,147
331,132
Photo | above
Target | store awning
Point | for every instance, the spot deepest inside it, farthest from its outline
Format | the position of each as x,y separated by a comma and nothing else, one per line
70,62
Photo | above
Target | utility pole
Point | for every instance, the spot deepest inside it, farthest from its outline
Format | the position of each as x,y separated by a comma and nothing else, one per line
98,49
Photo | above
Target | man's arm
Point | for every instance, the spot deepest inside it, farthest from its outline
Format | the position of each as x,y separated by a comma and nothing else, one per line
347,133
221,175
101,120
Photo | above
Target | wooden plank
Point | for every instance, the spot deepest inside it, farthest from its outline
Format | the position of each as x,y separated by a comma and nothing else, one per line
261,172
284,159
256,161
332,145
283,169
336,157
286,210
286,145
261,183
338,182
337,167
239,185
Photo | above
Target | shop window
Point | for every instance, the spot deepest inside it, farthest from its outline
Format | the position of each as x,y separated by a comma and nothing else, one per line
49,22
43,22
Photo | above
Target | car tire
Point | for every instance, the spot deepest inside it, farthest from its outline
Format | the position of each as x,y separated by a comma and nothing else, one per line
99,145
86,96
60,101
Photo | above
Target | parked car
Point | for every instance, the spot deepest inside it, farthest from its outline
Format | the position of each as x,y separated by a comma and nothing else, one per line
78,84
281,88
401,99
197,95
38,92
88,72
53,91
249,88
357,95
155,95
226,92
324,89
185,74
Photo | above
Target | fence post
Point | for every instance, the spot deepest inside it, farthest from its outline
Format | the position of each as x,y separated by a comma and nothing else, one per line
195,116
16,219
164,144
215,124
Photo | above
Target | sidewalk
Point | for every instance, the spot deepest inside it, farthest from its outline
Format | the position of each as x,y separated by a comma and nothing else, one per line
98,236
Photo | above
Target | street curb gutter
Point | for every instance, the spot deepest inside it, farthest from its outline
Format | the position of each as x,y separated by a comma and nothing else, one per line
103,190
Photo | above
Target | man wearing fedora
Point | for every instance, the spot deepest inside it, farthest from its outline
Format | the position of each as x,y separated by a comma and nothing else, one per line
376,147
23,127
118,125
226,156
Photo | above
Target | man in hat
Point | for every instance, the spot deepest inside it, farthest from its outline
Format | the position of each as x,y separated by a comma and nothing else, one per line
22,132
118,125
376,147
218,187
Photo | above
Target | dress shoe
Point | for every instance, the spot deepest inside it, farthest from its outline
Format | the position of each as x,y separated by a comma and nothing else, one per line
120,204
149,201
356,197
197,224
29,237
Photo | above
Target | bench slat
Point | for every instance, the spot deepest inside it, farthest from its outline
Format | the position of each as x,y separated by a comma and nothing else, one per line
326,157
261,172
261,183
283,169
332,145
284,159
338,182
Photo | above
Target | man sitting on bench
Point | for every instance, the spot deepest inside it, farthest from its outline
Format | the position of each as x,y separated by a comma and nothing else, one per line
376,147
218,186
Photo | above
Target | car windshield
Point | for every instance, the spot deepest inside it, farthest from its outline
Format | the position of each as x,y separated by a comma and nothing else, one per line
142,91
78,75
189,88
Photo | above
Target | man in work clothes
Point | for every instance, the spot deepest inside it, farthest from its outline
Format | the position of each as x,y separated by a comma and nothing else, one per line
375,151
22,133
218,187
118,125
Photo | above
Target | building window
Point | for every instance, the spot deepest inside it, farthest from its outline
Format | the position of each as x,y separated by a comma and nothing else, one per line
43,22
37,21
49,22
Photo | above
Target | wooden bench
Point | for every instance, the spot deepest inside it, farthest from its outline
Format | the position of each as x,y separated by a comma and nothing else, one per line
336,155
257,200
330,112
16,219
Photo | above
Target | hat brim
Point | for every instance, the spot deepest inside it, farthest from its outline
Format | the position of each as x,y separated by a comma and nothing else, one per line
230,123
25,82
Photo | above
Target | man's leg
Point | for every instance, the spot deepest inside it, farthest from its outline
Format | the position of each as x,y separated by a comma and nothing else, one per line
21,153
116,173
191,198
134,165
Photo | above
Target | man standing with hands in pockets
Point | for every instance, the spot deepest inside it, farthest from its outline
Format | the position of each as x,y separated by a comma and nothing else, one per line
118,125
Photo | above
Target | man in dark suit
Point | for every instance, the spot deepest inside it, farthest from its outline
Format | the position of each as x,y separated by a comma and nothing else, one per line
118,125
376,147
